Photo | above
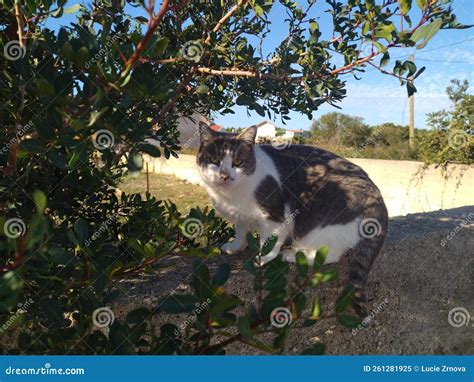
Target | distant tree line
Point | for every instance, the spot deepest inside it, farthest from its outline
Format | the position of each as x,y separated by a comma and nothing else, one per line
449,137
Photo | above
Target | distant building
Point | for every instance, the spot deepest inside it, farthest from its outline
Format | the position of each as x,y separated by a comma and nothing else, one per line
266,130
189,130
299,133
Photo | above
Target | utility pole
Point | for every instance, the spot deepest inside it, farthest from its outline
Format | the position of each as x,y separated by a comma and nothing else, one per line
411,127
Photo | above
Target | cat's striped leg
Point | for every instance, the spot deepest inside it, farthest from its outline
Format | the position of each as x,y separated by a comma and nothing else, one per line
240,241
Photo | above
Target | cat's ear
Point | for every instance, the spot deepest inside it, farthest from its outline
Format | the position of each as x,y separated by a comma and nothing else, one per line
206,133
248,135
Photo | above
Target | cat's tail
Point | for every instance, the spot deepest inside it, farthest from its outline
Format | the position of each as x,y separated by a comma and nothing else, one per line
361,258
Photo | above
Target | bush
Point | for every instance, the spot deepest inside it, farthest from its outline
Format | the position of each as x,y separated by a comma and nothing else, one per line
79,105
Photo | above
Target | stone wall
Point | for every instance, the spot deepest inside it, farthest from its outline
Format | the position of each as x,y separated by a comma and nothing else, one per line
407,187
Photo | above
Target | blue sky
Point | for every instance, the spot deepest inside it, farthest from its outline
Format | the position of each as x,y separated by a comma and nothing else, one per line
380,98
377,98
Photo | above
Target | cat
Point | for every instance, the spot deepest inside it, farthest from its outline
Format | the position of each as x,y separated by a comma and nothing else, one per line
304,195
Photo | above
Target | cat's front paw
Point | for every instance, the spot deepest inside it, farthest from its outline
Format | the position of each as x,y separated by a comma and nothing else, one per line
231,248
260,261
288,255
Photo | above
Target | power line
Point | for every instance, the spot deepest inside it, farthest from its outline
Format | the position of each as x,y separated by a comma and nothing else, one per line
450,61
471,38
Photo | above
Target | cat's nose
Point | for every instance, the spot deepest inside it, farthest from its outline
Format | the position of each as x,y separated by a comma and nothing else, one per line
224,175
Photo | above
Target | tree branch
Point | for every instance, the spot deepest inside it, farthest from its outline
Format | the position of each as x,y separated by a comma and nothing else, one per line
226,17
181,87
153,26
385,72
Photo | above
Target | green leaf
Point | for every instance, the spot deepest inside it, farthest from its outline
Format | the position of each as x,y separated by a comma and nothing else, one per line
385,31
244,328
384,60
34,146
268,245
57,13
58,159
315,308
202,89
11,285
178,303
53,311
411,89
300,303
225,303
72,9
244,100
160,46
150,149
313,26
349,321
81,56
421,70
44,88
320,258
95,115
221,276
254,246
81,227
410,67
422,3
345,299
302,264
40,201
138,316
200,280
426,32
258,10
405,6
323,277
317,349
141,19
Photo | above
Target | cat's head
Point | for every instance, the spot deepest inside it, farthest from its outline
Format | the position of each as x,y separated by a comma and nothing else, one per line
226,158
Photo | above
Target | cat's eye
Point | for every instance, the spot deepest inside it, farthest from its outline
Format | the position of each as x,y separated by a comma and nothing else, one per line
237,163
215,160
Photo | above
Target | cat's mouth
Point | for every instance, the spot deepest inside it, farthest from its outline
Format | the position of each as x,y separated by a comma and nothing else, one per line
225,182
